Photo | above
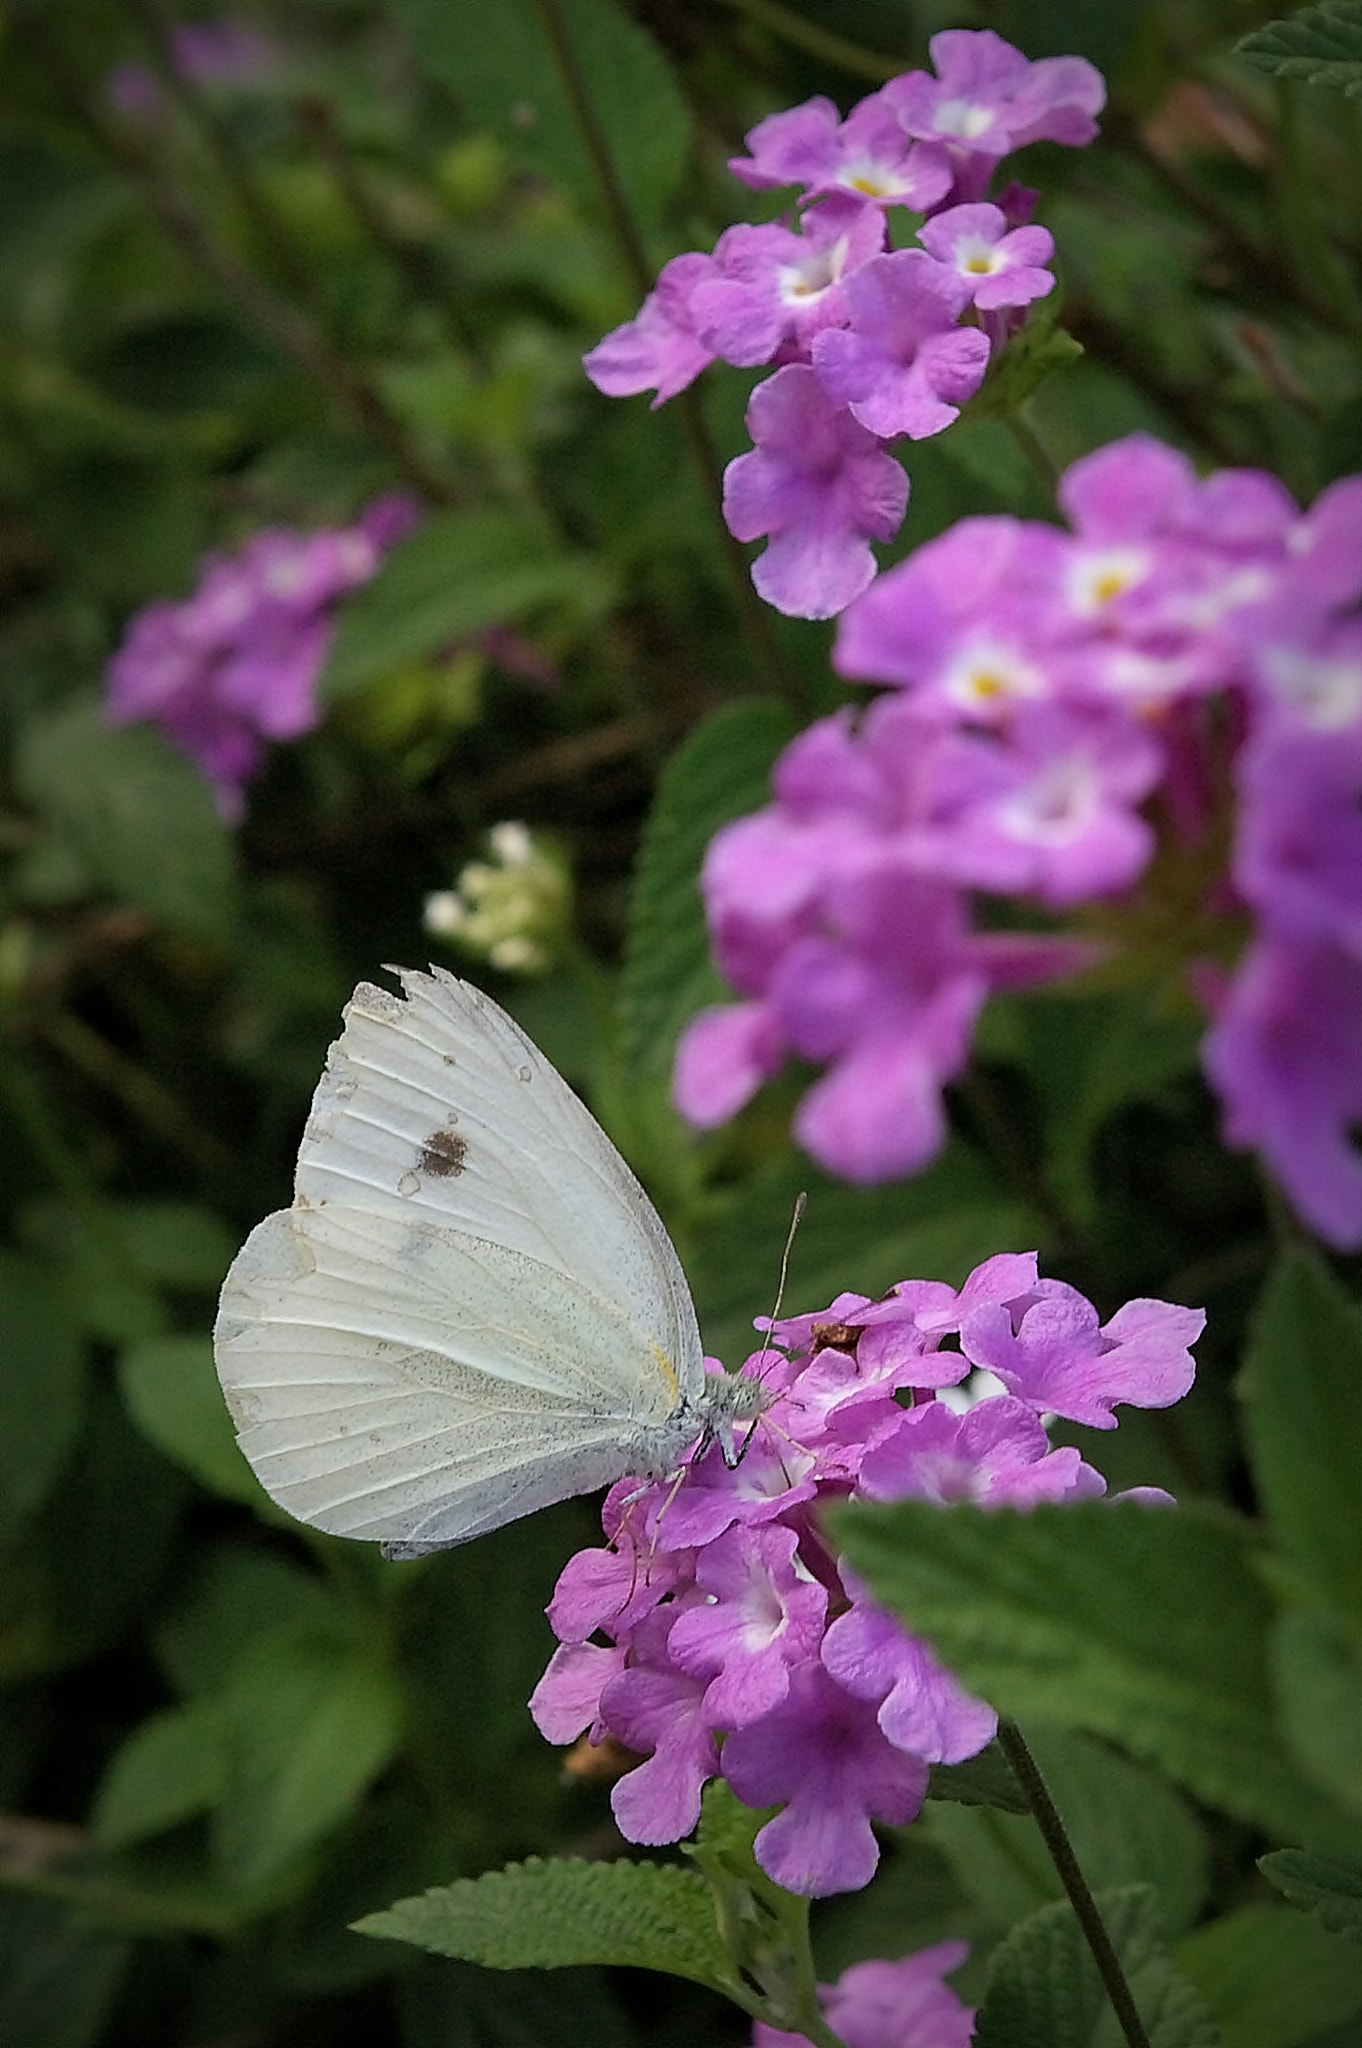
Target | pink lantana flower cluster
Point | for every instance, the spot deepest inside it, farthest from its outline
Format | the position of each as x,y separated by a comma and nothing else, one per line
902,2004
235,665
718,1634
1182,667
872,342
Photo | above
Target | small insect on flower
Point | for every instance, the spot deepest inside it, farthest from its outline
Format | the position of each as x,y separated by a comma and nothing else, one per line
472,1309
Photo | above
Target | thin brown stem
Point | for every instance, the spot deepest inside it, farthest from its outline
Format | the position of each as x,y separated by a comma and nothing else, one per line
1011,1154
1086,1912
803,34
752,613
424,276
112,1072
280,245
284,324
1269,273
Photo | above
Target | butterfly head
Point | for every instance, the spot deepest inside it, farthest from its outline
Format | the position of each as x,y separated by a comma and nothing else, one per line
730,1398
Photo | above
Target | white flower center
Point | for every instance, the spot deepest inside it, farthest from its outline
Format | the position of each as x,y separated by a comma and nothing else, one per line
962,119
1098,576
989,674
1326,693
1054,807
812,275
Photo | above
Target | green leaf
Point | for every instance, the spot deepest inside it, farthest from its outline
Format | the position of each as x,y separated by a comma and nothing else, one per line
58,1980
42,1384
1044,1990
984,1780
100,1290
1028,359
172,1766
1127,1826
725,1839
1318,1669
1146,1625
173,1396
457,574
240,1600
500,62
1302,1383
448,2004
1322,45
939,1225
138,813
53,205
309,1723
547,1915
1271,1976
178,1244
184,362
722,772
1087,1056
92,1552
1320,1885
998,1860
472,1663
130,1250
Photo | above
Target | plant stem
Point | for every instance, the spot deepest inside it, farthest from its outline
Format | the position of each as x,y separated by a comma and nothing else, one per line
751,612
427,279
282,246
807,2008
139,1092
282,322
1034,449
1322,279
35,1117
804,34
1015,1161
1085,1907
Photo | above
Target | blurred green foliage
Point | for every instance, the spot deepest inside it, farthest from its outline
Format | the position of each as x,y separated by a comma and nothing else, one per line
224,1737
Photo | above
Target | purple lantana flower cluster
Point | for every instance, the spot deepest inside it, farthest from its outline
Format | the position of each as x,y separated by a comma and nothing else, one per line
206,53
718,1634
235,665
1074,717
902,2004
873,342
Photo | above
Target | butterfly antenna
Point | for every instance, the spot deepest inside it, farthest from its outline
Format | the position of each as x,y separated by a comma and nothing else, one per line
797,1217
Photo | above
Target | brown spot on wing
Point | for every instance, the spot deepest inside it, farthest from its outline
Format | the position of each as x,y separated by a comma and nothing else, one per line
443,1153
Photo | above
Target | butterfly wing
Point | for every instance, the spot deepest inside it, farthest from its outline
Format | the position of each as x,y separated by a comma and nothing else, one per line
471,1308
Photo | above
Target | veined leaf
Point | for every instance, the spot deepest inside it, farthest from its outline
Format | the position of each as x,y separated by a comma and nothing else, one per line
1322,45
1147,1625
504,67
547,1915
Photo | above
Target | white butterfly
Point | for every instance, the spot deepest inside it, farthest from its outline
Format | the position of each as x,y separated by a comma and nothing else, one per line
472,1308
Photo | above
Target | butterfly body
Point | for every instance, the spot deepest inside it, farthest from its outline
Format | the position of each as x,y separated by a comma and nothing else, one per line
471,1309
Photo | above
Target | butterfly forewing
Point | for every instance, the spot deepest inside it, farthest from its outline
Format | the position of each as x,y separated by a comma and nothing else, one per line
438,1108
472,1308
